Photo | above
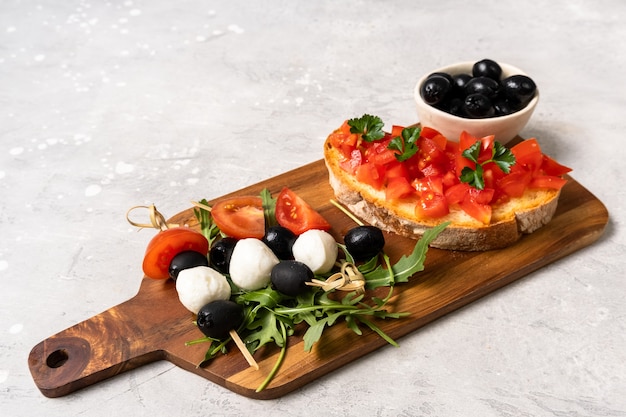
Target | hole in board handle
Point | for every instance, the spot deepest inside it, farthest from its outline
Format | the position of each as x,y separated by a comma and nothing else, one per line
57,358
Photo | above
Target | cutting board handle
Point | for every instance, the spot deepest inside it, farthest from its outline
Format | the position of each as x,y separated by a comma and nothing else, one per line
103,346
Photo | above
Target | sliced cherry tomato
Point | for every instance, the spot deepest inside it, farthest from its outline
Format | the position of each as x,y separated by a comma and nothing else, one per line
240,217
296,214
167,244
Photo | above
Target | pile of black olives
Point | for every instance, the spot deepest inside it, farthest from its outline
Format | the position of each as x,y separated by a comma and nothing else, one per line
483,93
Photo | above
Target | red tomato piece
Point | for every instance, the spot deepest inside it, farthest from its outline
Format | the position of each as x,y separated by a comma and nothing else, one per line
398,188
456,193
371,174
432,205
547,181
396,169
480,196
240,217
379,154
296,214
528,154
550,167
396,131
167,244
481,212
352,162
515,183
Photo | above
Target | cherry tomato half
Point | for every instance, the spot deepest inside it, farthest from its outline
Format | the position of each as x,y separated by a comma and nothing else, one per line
167,244
240,217
296,214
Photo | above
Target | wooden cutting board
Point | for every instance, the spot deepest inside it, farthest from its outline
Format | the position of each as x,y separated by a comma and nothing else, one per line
153,325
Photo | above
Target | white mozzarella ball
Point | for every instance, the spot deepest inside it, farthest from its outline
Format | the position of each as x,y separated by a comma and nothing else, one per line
316,249
200,285
251,264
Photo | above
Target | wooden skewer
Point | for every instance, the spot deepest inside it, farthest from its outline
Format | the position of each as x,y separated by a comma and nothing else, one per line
244,351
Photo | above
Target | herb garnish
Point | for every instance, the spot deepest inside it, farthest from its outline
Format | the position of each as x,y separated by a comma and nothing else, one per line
369,127
406,143
500,155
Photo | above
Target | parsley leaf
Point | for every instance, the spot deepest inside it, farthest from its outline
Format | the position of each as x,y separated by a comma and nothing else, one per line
500,155
369,127
406,144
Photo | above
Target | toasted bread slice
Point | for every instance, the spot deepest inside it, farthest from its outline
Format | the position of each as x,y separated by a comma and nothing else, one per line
509,221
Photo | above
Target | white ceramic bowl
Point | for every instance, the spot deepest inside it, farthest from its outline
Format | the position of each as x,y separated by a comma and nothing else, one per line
504,128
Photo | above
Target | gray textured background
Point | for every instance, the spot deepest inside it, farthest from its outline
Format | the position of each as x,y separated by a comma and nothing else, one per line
106,105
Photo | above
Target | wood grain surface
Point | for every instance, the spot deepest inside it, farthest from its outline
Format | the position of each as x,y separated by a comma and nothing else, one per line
153,325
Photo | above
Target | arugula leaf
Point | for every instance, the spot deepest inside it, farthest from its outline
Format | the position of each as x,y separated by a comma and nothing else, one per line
269,208
409,265
406,143
264,329
207,226
369,127
500,155
406,266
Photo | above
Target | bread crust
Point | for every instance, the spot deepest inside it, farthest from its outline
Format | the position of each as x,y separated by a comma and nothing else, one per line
510,221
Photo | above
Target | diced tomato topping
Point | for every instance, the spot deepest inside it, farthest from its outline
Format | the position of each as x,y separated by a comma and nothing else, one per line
550,167
528,154
396,131
398,188
481,212
547,181
515,183
432,205
352,162
379,154
371,174
431,177
456,193
396,169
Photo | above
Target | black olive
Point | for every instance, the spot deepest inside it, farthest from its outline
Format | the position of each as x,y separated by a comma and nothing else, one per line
455,107
459,83
519,88
217,318
435,89
290,277
478,106
503,107
487,68
364,242
280,240
482,85
185,260
221,252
